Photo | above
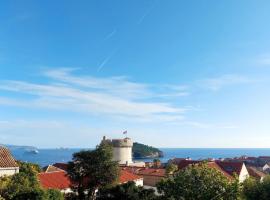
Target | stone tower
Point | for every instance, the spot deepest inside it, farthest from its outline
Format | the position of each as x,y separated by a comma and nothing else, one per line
122,150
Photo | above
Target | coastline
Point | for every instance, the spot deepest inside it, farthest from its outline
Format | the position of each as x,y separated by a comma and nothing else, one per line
50,156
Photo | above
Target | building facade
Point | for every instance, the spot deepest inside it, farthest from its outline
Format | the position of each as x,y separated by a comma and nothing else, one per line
8,165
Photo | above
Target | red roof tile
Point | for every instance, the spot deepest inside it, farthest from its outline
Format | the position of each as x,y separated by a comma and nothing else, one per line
62,166
177,160
214,165
184,163
152,172
6,159
231,167
54,180
126,176
253,172
264,157
51,168
60,180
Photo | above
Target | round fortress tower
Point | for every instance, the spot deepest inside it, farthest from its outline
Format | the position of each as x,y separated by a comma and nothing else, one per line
122,150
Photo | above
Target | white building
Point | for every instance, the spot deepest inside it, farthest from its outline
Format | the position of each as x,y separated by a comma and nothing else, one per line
122,150
8,165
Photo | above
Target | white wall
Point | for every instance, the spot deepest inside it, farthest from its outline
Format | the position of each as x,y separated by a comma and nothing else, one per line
8,171
122,154
139,182
243,174
137,164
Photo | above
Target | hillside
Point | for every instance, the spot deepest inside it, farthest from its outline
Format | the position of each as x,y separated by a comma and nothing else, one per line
144,151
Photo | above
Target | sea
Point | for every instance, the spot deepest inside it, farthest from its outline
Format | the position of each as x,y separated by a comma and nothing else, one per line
49,156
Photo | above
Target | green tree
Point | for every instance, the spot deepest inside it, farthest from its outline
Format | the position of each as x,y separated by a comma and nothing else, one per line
54,195
256,189
25,185
127,191
22,184
29,167
198,182
156,163
171,169
91,170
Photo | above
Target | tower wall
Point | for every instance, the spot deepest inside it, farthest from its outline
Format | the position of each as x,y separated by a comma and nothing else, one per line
122,150
122,154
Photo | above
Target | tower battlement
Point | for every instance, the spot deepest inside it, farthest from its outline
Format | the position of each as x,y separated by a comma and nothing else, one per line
122,149
126,142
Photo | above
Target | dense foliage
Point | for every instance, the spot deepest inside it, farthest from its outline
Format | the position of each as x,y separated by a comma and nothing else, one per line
142,151
171,168
256,189
93,169
199,182
128,191
25,185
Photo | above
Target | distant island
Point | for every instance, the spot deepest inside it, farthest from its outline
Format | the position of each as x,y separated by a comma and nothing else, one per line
144,151
19,147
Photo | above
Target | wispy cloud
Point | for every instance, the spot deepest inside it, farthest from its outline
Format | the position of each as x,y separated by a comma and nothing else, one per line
264,60
110,35
202,125
113,96
217,83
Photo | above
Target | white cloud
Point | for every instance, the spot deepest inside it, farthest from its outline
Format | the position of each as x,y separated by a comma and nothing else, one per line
264,60
113,96
218,83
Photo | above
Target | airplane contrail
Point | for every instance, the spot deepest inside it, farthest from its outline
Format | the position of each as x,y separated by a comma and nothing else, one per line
104,62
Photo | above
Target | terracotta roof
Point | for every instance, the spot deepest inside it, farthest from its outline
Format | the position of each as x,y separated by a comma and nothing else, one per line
264,157
60,180
62,166
251,158
231,167
51,168
184,163
214,165
178,160
54,180
126,176
152,172
253,172
6,159
144,171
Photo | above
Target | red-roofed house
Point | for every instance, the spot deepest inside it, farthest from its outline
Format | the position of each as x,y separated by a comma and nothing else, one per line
58,179
51,168
217,167
151,176
126,176
184,163
8,165
62,166
253,172
55,180
228,169
238,168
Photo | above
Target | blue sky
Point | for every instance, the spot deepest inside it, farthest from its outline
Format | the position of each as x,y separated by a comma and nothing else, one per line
172,73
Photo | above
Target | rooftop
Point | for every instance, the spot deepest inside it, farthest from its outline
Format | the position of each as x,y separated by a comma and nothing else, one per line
54,180
6,159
